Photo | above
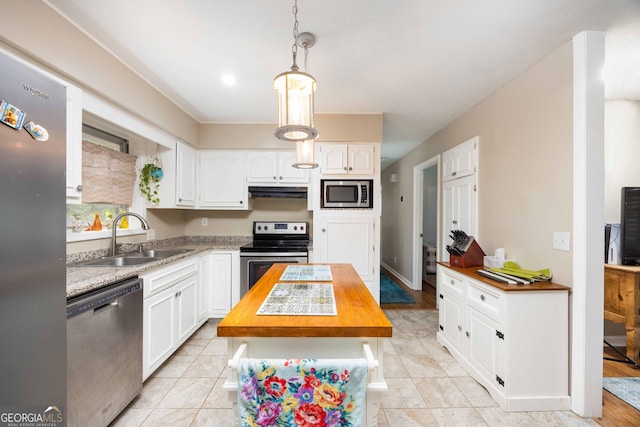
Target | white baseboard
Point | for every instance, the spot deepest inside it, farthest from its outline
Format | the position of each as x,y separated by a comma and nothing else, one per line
616,340
403,279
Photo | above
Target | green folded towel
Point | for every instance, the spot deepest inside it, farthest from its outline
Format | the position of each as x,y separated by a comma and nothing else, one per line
515,270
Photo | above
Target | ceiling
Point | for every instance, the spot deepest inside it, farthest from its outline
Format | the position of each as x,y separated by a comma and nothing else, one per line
419,62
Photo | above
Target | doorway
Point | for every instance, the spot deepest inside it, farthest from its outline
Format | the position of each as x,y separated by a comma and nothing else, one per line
426,215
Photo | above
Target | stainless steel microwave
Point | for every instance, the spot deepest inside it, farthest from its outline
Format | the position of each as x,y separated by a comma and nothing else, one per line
347,193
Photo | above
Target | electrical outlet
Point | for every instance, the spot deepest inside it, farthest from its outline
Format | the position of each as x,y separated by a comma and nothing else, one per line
151,234
562,241
204,221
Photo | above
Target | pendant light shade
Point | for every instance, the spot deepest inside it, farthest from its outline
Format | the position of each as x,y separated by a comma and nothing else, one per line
305,155
295,105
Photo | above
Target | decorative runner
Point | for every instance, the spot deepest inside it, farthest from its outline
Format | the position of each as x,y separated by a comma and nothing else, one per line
307,392
308,273
300,299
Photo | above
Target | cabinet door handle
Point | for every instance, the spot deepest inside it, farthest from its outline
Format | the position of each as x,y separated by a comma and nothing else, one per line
345,168
454,173
274,178
350,168
452,282
280,177
240,201
467,334
459,328
179,199
79,188
481,297
324,230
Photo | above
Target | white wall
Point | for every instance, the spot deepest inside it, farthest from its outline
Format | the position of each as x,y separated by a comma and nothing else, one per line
621,153
525,181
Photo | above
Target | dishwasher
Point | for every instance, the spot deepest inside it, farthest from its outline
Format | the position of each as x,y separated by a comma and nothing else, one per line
104,353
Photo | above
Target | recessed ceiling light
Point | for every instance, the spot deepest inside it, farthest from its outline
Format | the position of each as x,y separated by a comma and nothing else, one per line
228,79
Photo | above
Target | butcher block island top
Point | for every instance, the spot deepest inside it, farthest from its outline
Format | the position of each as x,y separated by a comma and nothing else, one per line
358,313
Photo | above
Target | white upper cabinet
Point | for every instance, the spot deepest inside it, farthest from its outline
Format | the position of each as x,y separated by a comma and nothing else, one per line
222,183
74,144
274,168
460,161
185,175
347,159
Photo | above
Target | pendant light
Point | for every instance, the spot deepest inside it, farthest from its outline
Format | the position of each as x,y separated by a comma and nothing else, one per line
295,93
304,155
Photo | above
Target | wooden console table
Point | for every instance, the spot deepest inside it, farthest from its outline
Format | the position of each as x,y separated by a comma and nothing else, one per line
622,302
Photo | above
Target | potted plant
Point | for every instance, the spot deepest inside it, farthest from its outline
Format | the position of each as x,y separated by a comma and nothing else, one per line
150,176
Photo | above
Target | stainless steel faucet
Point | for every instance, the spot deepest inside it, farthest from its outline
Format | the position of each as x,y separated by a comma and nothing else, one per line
145,226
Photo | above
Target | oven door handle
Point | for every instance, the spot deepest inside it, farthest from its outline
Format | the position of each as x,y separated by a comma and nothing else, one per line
272,254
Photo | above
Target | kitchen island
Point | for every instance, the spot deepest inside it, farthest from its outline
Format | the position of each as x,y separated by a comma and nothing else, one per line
357,331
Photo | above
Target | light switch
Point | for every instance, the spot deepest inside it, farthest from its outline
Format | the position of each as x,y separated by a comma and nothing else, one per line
562,240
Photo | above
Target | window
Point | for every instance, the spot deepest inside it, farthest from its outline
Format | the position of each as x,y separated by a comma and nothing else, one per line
108,179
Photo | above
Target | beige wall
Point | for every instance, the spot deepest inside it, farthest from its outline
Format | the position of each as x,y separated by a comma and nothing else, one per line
525,171
39,34
332,128
621,153
240,223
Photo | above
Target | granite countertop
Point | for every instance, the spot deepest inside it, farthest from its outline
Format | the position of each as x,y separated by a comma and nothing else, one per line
82,279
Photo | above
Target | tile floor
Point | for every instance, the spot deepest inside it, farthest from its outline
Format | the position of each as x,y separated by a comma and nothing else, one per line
426,386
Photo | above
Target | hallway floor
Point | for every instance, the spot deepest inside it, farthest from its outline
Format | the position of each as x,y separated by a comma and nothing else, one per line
426,386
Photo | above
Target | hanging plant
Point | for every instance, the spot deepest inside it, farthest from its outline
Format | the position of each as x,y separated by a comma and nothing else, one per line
150,176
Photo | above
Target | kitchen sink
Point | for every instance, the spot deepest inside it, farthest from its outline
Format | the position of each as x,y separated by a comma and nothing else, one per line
156,253
133,258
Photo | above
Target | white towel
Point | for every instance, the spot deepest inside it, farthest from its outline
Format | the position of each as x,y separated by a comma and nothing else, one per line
302,392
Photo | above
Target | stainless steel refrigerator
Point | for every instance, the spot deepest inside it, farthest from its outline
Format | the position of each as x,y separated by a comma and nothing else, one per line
32,245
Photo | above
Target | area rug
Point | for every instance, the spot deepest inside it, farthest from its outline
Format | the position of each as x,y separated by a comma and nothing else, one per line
625,388
391,293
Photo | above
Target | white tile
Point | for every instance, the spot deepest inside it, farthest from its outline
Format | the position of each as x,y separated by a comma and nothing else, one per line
171,418
410,418
440,393
153,391
457,417
402,393
187,393
132,417
422,365
205,366
216,417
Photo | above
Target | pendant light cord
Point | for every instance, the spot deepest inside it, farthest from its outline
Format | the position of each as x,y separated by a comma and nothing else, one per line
294,47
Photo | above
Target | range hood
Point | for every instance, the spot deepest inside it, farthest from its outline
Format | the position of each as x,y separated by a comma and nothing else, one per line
278,192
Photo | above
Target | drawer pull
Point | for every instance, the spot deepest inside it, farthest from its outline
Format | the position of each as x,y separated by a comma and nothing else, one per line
459,328
467,334
452,282
481,297
500,335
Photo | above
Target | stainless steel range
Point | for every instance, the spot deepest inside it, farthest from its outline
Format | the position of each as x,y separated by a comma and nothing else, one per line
273,243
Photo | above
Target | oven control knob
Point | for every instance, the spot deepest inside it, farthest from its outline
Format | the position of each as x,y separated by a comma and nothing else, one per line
259,227
295,227
265,228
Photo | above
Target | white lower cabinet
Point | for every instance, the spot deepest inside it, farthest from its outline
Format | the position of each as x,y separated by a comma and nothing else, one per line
513,341
170,310
351,239
224,282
